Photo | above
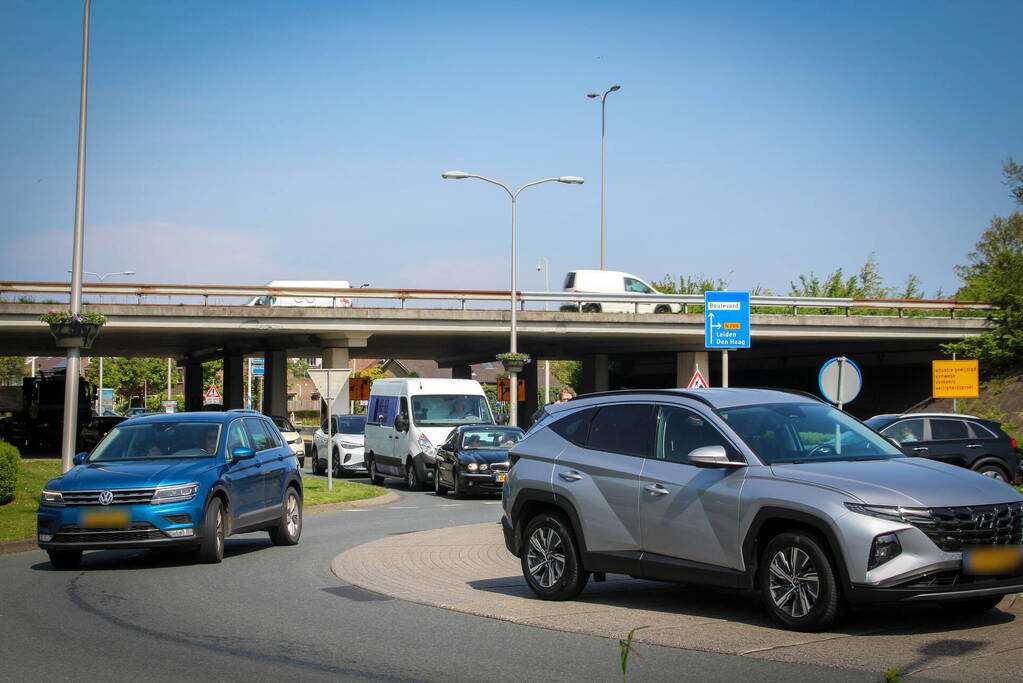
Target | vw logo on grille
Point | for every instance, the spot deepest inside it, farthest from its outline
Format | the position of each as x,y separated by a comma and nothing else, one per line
106,498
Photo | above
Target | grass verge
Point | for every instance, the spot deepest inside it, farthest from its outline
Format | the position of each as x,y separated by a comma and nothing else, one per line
316,492
18,518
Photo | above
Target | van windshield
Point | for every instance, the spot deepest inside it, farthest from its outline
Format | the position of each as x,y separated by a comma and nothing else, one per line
450,409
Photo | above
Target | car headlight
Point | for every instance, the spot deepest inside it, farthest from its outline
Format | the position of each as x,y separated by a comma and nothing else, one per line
294,442
426,446
349,445
472,467
52,498
174,494
483,467
893,513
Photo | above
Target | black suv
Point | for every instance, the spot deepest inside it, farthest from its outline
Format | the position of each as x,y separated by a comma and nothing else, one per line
963,440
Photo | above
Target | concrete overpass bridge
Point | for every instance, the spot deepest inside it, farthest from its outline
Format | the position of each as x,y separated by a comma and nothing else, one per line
892,341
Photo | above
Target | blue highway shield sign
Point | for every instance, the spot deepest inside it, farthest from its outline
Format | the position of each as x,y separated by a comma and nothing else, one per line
726,320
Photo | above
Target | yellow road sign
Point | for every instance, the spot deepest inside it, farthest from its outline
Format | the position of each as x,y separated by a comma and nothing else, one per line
955,379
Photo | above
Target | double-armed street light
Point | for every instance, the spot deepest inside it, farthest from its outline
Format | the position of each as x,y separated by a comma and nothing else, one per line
513,376
593,95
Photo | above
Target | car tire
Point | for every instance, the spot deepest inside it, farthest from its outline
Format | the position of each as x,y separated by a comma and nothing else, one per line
990,469
290,528
438,488
211,548
965,608
65,559
457,486
550,558
808,598
317,467
412,480
374,478
335,463
591,308
662,308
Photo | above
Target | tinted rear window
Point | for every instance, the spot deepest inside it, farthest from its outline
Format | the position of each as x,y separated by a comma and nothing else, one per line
948,429
622,429
574,427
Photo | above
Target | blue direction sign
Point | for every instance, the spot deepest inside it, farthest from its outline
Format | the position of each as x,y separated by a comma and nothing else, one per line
257,370
726,320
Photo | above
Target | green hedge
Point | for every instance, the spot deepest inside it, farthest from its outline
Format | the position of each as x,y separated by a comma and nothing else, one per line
10,458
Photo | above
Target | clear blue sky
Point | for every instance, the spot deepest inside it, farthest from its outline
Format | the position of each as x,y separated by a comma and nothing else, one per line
240,142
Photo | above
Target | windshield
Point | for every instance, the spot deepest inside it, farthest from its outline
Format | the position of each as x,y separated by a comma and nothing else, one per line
497,439
450,409
806,432
351,424
159,440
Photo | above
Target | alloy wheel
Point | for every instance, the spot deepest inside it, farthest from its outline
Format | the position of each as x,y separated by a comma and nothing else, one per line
292,515
545,556
793,583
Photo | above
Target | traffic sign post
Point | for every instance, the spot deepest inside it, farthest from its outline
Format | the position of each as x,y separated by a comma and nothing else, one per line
329,382
840,381
726,324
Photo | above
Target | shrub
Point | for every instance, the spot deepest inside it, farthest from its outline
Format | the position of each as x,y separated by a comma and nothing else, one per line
10,459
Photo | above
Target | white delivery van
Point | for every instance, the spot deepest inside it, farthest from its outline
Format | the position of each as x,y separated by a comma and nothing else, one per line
613,282
409,418
310,300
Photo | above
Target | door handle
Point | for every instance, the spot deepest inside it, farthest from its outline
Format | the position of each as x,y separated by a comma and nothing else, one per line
973,445
656,489
571,475
920,449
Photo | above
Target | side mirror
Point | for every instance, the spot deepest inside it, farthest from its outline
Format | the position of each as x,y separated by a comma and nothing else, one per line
79,458
242,453
401,423
712,456
447,448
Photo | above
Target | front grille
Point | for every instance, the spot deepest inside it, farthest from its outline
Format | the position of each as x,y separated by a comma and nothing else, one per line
499,467
954,528
140,531
121,497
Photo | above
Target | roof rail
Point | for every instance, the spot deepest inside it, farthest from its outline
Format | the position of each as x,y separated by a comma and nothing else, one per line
632,392
797,392
242,410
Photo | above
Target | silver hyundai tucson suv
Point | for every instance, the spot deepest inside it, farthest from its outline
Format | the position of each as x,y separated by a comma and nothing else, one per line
754,489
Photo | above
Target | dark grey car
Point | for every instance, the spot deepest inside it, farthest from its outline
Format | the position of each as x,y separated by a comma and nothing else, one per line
753,489
963,440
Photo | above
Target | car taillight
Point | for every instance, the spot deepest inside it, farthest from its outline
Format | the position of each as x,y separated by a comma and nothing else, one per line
1014,443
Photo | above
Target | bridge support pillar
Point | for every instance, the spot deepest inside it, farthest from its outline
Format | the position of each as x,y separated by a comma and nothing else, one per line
528,406
338,357
595,373
193,386
461,372
686,363
275,383
234,382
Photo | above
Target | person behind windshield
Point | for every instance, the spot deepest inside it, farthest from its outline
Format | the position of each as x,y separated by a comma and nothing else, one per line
459,410
154,451
209,441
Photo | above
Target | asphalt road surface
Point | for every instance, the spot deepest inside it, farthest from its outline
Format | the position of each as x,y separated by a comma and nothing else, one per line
271,613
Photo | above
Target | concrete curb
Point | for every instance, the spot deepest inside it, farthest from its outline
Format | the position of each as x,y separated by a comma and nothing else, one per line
29,544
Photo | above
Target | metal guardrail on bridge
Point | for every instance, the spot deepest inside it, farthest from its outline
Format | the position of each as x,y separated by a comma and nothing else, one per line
780,305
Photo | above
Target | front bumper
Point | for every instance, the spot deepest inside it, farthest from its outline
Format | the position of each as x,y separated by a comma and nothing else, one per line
481,482
148,526
860,594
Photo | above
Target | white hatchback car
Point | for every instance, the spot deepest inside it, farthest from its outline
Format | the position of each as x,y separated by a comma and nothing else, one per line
346,448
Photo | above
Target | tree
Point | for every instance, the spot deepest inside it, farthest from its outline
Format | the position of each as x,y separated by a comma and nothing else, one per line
130,377
1013,174
995,274
12,369
697,284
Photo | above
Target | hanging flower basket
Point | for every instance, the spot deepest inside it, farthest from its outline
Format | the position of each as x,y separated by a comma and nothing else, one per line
513,362
73,331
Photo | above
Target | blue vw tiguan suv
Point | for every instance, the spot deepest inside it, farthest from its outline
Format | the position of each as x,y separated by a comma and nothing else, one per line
174,480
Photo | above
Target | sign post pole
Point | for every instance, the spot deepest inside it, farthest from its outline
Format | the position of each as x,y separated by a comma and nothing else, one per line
330,438
329,383
724,368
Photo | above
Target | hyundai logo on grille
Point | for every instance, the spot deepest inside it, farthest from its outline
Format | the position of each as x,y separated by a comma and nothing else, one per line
986,521
106,498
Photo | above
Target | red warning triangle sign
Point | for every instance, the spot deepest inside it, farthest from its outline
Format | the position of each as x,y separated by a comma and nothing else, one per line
212,392
698,381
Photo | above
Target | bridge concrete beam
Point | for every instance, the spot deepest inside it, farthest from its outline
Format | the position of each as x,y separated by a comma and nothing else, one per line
234,383
194,388
596,373
686,363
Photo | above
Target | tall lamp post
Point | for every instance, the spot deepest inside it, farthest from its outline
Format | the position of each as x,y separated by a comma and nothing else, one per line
603,98
513,393
545,266
102,278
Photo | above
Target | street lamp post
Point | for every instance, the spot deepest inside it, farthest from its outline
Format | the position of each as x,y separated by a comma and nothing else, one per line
545,266
603,97
513,393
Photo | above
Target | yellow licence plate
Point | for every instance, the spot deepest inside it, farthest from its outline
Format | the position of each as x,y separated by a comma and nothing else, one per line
992,559
105,519
499,478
